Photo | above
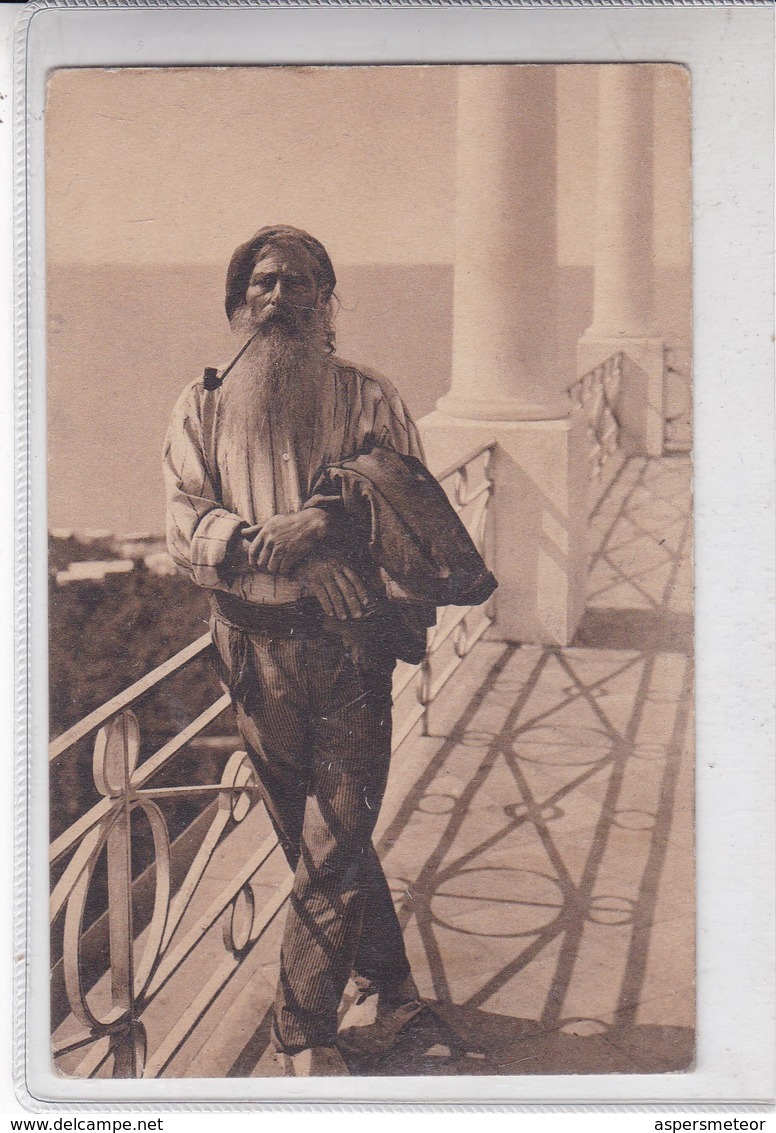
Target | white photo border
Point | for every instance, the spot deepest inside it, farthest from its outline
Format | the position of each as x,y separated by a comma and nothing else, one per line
729,52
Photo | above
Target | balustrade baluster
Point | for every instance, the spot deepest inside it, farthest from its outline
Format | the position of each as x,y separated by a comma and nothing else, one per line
115,758
597,394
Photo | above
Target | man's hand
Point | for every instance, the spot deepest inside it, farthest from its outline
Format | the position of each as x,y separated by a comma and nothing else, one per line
339,589
280,544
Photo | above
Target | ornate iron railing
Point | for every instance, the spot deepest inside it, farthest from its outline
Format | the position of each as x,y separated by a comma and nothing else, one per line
105,1032
597,393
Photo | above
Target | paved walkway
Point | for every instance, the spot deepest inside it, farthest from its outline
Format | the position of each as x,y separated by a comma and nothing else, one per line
543,858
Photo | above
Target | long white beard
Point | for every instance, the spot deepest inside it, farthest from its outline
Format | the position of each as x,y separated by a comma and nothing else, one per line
275,386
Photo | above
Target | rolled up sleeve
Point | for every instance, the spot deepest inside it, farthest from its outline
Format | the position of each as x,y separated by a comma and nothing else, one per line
199,530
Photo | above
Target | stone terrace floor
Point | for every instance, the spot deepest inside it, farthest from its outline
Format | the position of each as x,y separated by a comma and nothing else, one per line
542,856
539,843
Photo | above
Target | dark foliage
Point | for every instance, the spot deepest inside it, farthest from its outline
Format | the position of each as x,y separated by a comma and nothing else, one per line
104,636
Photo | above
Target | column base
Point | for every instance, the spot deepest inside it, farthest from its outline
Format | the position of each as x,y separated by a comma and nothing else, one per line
539,515
642,413
501,408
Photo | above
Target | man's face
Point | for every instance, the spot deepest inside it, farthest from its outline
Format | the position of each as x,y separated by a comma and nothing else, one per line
283,289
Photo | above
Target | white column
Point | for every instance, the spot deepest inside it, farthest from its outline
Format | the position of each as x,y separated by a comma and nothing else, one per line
504,336
623,317
505,385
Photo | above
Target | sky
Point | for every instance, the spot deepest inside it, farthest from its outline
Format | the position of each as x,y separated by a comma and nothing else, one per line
182,164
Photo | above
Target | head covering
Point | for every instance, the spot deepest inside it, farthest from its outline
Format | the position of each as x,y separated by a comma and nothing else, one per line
244,259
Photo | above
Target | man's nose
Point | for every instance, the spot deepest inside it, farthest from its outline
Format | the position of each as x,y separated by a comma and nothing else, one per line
278,292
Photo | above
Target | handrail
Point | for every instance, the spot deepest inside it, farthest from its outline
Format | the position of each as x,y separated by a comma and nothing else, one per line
106,829
126,698
99,811
457,465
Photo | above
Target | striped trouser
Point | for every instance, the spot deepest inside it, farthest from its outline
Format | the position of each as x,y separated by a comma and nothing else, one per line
315,716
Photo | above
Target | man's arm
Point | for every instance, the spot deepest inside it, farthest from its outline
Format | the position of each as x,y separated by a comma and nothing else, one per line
339,589
213,545
217,548
280,544
386,419
297,545
199,530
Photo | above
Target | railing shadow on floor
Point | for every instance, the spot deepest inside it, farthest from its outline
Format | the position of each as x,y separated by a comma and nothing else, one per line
466,1036
605,721
649,651
578,902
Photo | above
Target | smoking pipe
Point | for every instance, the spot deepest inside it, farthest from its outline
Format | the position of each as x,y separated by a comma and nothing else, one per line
212,379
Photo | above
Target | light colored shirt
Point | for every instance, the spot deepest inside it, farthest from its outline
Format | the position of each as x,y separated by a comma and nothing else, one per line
212,492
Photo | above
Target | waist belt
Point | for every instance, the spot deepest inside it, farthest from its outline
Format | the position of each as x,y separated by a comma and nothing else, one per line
381,631
302,619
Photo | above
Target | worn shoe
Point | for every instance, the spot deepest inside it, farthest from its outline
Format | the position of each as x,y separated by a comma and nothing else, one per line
316,1062
374,1021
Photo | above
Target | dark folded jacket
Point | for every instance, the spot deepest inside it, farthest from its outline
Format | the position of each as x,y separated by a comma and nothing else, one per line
412,531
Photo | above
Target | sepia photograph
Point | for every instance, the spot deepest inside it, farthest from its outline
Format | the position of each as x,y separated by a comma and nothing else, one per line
370,576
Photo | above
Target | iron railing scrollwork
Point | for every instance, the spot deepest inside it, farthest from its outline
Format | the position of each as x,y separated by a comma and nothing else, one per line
105,1032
